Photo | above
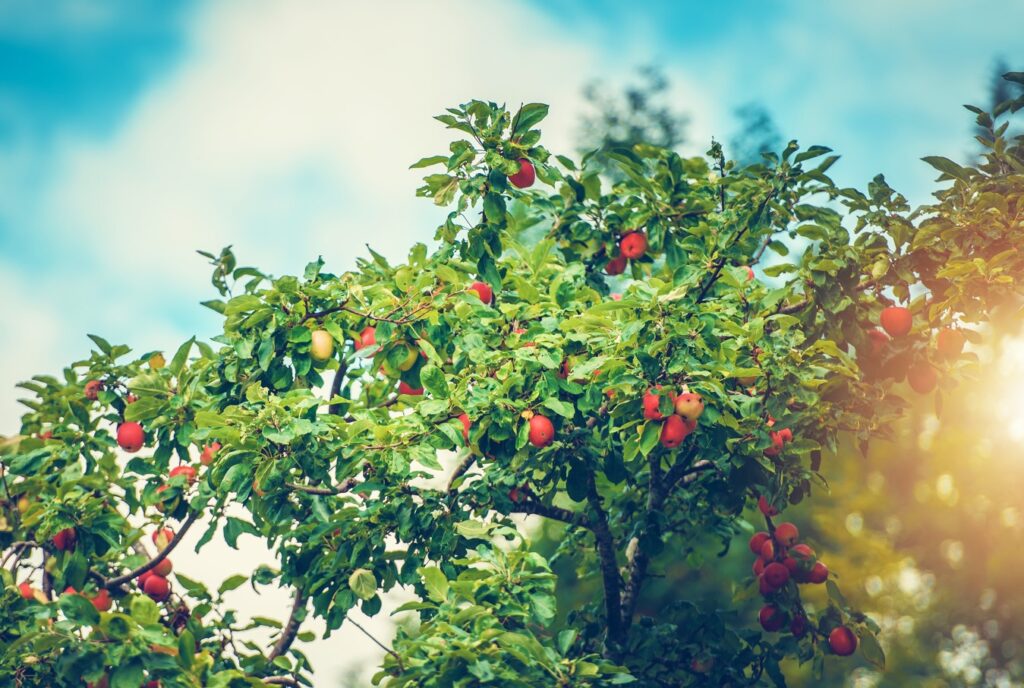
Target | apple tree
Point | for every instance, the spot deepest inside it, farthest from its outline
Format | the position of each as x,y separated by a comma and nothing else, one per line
665,357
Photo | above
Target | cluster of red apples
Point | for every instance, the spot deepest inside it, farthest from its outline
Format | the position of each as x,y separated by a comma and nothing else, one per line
632,246
897,322
783,562
686,409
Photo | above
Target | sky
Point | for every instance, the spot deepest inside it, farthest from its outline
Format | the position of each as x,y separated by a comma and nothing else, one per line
133,132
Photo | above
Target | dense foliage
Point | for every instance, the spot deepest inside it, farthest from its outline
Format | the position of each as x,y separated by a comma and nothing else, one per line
603,355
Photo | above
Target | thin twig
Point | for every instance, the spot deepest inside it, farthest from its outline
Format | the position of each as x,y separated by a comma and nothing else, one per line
464,465
398,660
340,488
160,556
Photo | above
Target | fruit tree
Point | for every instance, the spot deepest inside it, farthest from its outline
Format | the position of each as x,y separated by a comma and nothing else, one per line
667,357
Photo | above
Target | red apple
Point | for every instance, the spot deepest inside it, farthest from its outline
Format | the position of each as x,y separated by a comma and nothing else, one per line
130,436
764,586
766,507
406,388
633,245
526,175
950,342
101,600
542,432
768,550
464,418
652,400
163,568
777,444
842,641
368,337
750,273
25,590
64,540
616,266
209,452
162,536
786,534
757,541
776,574
802,553
185,470
143,577
615,297
818,574
46,435
673,431
484,291
758,567
771,617
798,626
92,389
689,405
157,587
896,320
878,341
922,377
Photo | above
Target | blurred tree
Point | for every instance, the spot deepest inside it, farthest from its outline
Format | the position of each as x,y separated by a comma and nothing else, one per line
756,135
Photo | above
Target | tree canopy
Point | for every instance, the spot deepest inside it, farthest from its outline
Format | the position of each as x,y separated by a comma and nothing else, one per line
665,357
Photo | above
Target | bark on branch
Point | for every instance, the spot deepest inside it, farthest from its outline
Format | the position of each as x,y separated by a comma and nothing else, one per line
291,629
160,556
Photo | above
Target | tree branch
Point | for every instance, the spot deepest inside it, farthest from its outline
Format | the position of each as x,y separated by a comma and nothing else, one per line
609,564
398,660
344,486
720,263
160,556
291,629
339,378
460,470
556,513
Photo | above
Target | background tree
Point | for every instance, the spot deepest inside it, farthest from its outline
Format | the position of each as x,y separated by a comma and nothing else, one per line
642,420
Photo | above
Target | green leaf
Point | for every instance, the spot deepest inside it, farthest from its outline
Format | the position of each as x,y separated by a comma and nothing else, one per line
181,357
562,408
948,167
231,583
433,381
435,582
871,650
128,675
78,609
528,115
429,161
649,438
363,583
143,610
186,648
102,343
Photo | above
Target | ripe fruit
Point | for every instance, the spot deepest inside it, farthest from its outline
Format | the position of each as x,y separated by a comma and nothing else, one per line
162,537
130,398
842,641
949,342
771,617
130,436
777,444
764,586
896,320
157,587
758,567
163,568
766,508
877,340
652,400
786,435
64,541
750,273
542,432
674,431
776,574
101,600
143,577
46,435
802,553
209,451
322,345
798,626
818,574
526,175
768,550
615,297
188,471
616,266
92,389
405,388
25,590
465,426
757,541
787,534
689,405
484,291
368,337
633,245
922,377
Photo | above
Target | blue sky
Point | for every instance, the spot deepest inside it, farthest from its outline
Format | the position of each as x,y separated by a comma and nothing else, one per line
133,132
